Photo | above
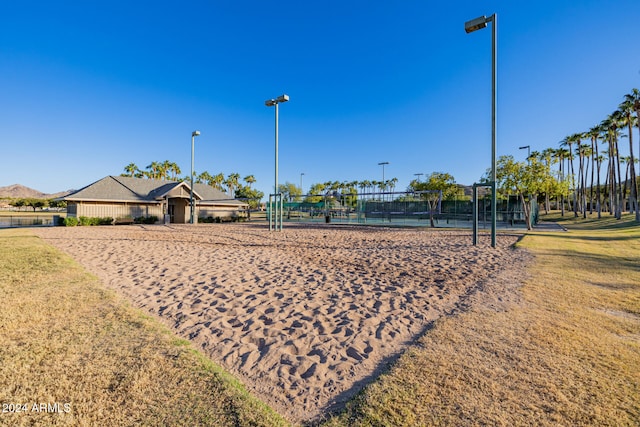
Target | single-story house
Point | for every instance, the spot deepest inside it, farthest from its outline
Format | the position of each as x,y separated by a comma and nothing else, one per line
126,197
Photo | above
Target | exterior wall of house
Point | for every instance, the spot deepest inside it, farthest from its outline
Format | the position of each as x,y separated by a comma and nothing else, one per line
219,211
113,210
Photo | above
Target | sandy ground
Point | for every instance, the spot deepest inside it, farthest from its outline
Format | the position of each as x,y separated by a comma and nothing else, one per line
305,317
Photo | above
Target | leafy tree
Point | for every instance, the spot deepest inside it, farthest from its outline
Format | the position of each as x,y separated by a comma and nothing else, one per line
250,195
290,191
526,180
436,183
316,191
57,203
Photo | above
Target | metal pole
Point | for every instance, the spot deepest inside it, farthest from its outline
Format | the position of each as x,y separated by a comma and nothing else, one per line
475,214
276,180
270,212
191,192
494,20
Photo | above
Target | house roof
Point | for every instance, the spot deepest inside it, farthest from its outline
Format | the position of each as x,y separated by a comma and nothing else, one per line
141,190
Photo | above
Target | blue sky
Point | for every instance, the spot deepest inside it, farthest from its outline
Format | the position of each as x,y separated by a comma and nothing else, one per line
88,87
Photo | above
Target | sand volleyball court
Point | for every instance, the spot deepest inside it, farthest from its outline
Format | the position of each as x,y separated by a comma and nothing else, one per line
304,317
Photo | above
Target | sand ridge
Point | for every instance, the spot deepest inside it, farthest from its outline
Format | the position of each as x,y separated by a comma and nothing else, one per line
305,316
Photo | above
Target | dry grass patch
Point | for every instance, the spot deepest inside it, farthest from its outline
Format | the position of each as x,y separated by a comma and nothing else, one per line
564,351
91,359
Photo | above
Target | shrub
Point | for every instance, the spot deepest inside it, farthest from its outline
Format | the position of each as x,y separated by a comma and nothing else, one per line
70,221
84,220
146,219
107,220
208,219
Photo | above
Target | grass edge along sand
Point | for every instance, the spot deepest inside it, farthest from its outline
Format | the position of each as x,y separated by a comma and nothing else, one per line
562,349
74,353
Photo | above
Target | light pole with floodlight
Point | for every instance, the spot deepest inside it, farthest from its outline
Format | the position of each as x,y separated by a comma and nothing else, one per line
301,175
418,175
383,183
193,135
271,103
528,147
469,27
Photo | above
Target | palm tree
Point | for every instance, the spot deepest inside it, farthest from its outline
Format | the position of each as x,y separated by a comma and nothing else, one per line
131,169
626,109
174,169
154,170
217,181
204,178
584,152
567,142
547,157
633,98
594,133
249,179
232,183
562,154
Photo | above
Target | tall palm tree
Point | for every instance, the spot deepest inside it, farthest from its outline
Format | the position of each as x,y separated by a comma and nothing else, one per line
596,161
634,99
627,108
249,179
165,167
562,154
584,152
232,181
204,178
174,169
568,142
547,157
154,169
217,181
131,169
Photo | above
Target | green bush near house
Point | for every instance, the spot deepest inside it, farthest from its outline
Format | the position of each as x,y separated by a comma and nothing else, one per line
88,221
146,219
70,221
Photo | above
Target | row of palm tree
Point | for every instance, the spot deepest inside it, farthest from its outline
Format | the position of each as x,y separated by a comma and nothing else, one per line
369,189
169,171
166,171
597,150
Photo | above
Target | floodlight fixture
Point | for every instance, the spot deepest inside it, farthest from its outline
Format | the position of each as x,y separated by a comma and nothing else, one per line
477,24
195,133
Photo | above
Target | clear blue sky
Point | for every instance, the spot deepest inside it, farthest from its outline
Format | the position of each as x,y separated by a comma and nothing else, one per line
88,87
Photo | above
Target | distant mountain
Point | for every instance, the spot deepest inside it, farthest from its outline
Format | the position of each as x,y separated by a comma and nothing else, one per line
18,191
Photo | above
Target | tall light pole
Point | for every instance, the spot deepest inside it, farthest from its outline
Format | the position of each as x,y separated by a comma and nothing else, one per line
418,175
469,27
528,147
193,135
278,200
301,175
271,103
383,184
